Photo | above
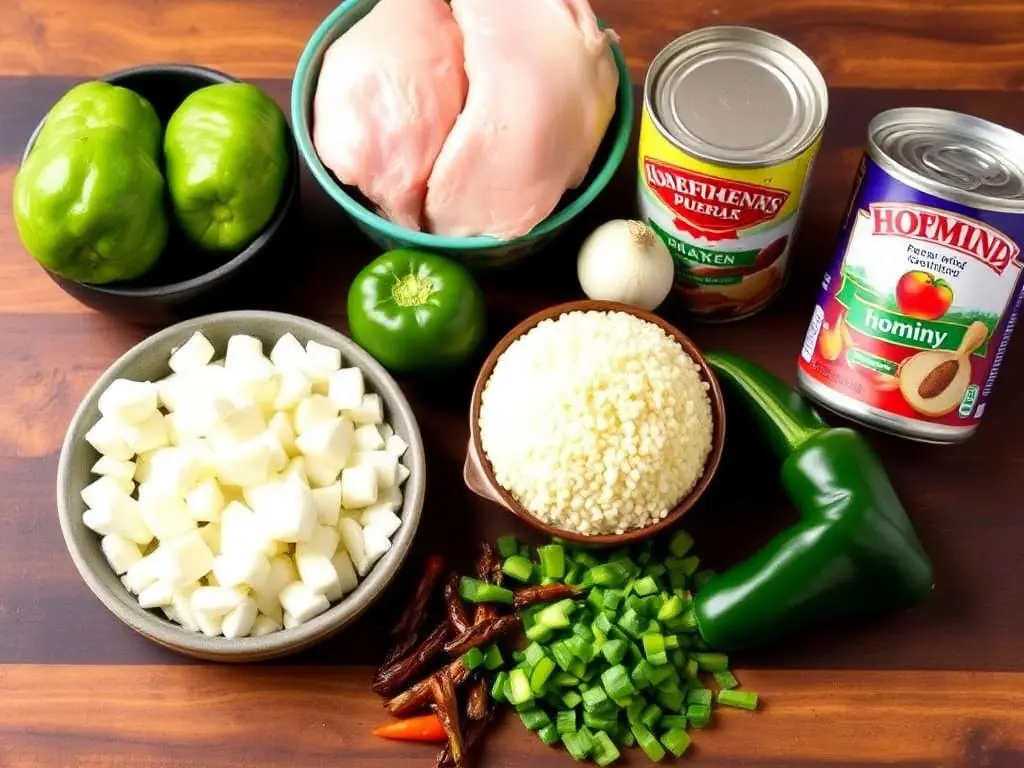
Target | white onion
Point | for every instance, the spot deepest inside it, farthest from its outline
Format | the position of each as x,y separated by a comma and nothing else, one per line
625,261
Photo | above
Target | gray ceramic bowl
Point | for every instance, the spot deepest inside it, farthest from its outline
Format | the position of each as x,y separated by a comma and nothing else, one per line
148,360
186,282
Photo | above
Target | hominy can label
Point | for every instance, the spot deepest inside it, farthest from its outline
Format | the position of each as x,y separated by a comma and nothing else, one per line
914,317
728,229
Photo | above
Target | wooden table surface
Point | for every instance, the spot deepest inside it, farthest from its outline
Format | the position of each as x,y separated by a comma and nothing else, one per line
940,686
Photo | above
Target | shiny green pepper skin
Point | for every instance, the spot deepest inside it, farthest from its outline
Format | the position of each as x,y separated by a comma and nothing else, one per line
90,206
227,159
854,551
96,104
416,311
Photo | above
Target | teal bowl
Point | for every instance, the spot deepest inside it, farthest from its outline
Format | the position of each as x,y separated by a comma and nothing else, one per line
475,252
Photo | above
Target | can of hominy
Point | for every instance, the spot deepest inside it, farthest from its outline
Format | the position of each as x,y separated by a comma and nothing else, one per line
732,121
916,312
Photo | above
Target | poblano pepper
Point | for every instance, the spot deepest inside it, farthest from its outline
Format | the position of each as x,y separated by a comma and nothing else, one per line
854,551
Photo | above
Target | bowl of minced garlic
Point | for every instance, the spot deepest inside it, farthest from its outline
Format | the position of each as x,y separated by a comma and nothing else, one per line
595,422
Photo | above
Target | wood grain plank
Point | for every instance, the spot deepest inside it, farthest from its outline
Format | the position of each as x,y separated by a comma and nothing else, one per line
902,43
215,716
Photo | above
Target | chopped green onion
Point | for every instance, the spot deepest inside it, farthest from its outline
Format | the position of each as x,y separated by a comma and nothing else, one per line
631,623
556,615
534,653
594,698
534,719
650,745
711,662
641,674
726,680
565,721
612,599
552,561
577,745
738,699
539,633
518,690
508,546
492,658
614,651
498,688
605,752
600,721
564,679
582,630
680,544
671,699
562,655
613,574
699,696
541,673
654,649
676,741
571,699
581,649
672,722
476,591
650,716
617,683
645,586
518,567
699,715
549,735
473,658
670,608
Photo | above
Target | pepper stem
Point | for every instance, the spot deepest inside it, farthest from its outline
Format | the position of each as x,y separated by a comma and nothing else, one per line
785,418
412,291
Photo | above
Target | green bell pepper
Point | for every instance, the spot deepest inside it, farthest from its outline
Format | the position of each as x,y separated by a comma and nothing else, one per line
227,158
854,550
90,206
416,311
97,104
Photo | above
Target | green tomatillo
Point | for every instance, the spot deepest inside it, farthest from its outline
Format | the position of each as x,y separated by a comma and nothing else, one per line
227,159
90,206
416,311
96,104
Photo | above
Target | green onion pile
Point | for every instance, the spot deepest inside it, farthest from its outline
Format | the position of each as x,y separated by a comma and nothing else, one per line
619,667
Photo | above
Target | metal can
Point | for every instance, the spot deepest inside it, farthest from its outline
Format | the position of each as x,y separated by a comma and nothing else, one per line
731,124
916,311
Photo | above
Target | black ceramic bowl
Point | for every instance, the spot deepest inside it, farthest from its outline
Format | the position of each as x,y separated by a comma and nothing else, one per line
186,281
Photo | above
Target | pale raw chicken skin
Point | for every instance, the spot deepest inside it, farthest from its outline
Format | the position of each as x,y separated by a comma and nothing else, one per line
389,92
542,84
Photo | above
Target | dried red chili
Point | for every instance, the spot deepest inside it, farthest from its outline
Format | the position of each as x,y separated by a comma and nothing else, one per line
442,691
481,634
418,696
407,628
453,605
477,701
545,593
393,677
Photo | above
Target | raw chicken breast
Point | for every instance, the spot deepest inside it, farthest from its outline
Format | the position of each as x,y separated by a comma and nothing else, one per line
542,85
389,92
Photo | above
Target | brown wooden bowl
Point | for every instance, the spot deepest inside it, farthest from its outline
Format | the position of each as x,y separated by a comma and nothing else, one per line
479,476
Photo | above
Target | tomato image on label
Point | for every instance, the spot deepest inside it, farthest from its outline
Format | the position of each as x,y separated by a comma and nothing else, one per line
922,295
908,316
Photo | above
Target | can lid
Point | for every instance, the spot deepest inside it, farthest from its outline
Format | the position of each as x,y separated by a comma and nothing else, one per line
954,156
737,96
